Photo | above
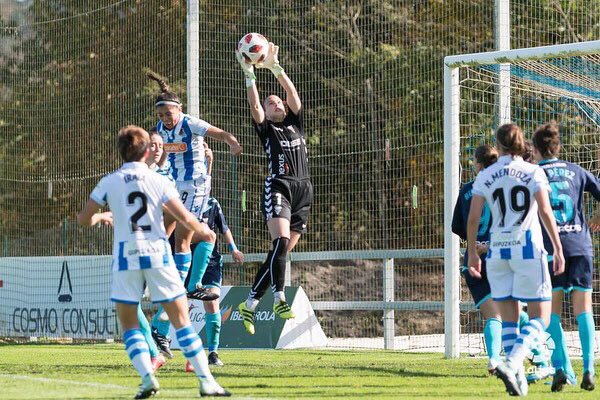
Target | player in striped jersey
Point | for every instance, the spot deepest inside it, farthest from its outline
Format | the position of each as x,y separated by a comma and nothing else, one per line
154,161
569,182
184,138
141,255
515,191
215,219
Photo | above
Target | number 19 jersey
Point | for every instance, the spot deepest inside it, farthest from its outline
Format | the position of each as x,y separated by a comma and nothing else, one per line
135,195
508,187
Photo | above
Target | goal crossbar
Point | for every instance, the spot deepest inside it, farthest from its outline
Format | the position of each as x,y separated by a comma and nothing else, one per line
452,64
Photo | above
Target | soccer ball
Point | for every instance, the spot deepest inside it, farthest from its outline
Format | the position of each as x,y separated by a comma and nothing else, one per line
253,47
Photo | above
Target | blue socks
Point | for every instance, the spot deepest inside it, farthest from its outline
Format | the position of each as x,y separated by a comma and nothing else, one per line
145,329
560,356
161,327
213,331
523,319
526,340
137,350
191,347
200,260
492,332
183,261
585,321
510,331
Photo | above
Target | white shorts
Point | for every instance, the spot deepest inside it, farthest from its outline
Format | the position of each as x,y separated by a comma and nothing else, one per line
194,194
164,285
524,280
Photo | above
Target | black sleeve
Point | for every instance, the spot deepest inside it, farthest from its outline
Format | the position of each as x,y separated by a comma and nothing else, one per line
220,221
295,119
458,222
262,128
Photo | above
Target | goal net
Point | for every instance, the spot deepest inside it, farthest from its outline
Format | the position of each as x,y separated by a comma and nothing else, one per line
556,83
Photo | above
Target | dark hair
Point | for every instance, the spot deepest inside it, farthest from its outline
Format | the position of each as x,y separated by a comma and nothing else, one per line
153,131
166,93
547,140
510,138
133,142
528,154
486,155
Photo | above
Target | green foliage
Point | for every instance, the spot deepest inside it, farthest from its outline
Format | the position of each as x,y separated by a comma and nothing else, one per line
369,74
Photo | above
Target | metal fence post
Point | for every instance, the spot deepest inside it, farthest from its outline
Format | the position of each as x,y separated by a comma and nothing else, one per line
389,325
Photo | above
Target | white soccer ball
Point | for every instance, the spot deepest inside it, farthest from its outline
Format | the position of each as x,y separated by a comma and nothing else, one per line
253,47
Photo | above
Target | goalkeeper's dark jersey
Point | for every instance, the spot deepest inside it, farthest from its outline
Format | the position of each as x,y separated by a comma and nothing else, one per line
284,145
568,182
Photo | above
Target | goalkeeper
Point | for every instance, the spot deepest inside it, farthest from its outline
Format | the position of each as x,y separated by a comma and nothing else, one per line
288,192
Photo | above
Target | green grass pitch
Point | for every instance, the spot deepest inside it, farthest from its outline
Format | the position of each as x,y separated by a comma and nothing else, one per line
104,372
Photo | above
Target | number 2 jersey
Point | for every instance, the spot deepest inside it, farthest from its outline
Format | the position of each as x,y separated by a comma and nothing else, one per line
508,187
568,182
136,195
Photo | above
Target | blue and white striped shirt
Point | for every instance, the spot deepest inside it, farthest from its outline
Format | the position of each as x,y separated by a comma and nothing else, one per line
184,145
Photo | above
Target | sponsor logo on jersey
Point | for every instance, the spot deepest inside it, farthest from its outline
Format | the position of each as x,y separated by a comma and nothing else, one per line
569,228
290,144
278,209
282,165
175,147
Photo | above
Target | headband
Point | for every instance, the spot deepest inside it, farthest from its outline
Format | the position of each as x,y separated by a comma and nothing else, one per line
167,103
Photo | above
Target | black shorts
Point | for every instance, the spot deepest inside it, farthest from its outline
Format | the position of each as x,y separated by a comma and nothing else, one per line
578,274
479,288
288,198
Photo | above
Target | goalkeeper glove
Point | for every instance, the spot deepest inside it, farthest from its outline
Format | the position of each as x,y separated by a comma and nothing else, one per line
271,62
247,69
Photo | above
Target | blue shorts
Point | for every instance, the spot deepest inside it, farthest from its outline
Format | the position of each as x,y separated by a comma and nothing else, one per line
578,274
213,277
479,288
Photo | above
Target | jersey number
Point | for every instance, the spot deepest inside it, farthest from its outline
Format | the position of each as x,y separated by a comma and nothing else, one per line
517,203
562,203
131,199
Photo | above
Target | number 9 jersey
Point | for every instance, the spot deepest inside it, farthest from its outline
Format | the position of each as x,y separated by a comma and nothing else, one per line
508,187
136,195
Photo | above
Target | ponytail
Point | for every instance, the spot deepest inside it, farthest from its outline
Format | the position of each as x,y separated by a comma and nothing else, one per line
509,137
166,97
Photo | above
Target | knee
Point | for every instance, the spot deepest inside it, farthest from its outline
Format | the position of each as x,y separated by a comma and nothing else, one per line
211,236
280,247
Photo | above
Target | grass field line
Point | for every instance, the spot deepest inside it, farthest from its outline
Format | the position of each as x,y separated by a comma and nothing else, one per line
64,381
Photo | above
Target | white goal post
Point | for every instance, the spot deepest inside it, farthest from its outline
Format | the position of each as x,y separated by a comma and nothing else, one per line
452,151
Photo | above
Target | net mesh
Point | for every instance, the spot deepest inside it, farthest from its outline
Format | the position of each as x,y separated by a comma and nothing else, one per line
564,90
369,75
